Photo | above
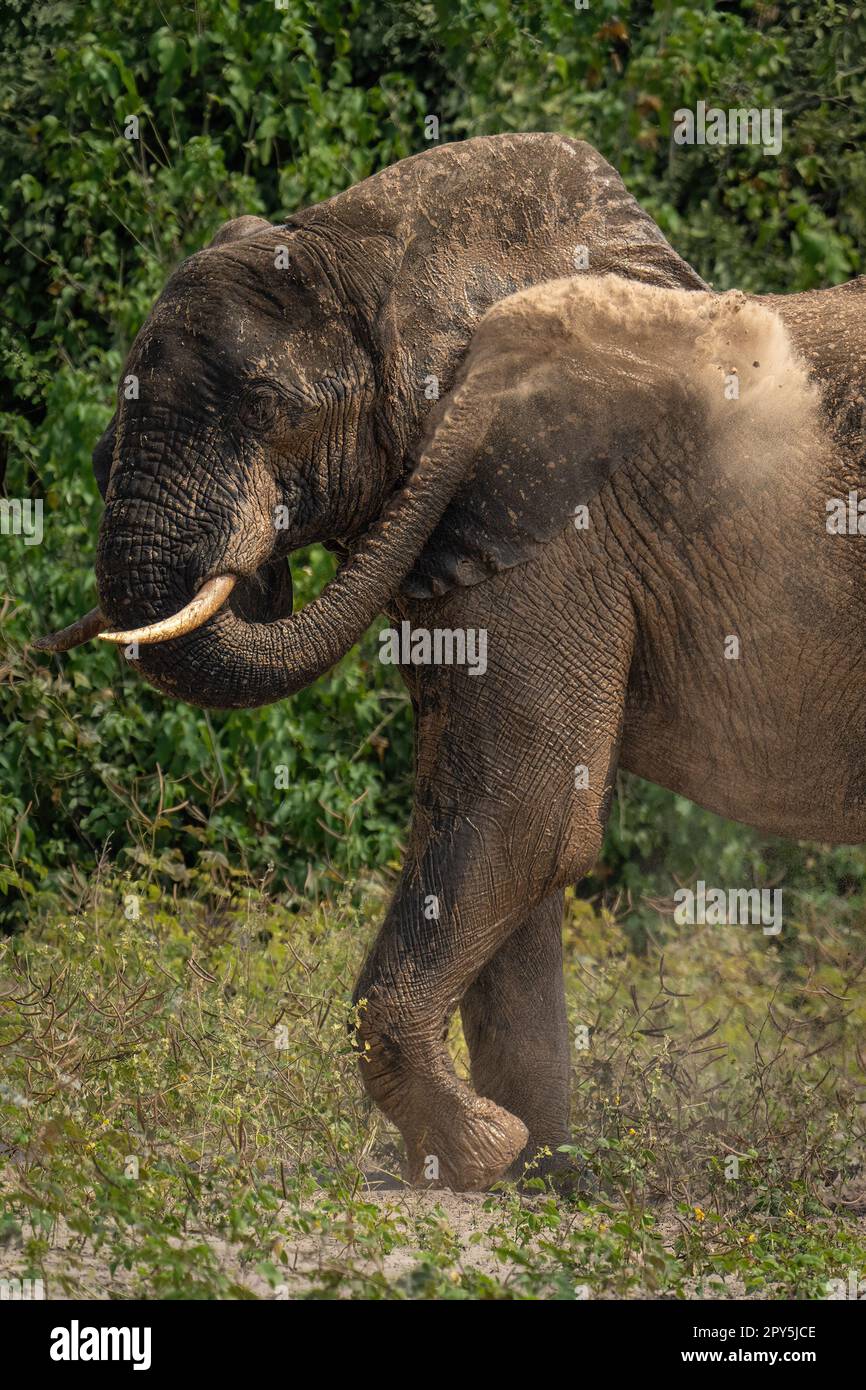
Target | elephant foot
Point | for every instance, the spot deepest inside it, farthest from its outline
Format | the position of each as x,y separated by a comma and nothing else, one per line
453,1137
477,1149
561,1171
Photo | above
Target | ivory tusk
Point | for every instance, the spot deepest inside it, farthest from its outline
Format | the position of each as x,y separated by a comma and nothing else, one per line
211,596
80,631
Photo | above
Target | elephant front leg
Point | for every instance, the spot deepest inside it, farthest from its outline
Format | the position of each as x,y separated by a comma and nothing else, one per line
516,1029
446,921
513,779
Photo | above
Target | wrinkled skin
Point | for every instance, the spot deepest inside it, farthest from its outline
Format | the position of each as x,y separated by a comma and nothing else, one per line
303,387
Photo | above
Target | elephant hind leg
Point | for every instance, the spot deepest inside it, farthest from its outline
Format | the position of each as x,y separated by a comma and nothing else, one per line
516,1029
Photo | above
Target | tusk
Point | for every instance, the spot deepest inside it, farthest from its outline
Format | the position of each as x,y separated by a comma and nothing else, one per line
73,636
209,598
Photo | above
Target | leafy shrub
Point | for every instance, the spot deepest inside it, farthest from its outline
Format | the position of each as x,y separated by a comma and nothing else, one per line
250,108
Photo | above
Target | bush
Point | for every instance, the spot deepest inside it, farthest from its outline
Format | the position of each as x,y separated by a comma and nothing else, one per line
250,108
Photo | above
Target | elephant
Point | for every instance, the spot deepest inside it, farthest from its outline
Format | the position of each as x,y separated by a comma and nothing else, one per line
485,380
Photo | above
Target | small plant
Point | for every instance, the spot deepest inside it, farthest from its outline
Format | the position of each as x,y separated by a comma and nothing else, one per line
180,1113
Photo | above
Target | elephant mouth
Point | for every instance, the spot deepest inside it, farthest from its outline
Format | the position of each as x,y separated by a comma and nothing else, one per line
248,647
265,596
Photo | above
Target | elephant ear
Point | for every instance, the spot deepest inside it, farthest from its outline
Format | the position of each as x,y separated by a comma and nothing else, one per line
549,425
561,385
103,455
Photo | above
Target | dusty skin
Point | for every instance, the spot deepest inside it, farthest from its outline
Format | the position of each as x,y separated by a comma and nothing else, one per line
285,367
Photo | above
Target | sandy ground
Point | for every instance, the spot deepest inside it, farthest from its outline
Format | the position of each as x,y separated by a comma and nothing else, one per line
309,1257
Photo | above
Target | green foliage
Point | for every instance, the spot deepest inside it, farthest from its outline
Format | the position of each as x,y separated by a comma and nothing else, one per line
656,840
241,109
615,73
304,792
198,1130
254,108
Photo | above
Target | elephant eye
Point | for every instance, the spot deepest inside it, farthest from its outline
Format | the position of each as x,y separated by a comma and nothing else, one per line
258,409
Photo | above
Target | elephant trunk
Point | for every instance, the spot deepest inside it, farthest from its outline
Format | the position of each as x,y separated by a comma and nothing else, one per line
225,660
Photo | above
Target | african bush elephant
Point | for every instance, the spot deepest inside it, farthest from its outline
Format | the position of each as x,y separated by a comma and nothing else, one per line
623,472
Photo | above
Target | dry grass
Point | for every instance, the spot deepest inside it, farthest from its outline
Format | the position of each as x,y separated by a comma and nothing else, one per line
180,1114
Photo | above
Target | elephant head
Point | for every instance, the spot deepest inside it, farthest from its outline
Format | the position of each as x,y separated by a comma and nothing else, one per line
281,391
